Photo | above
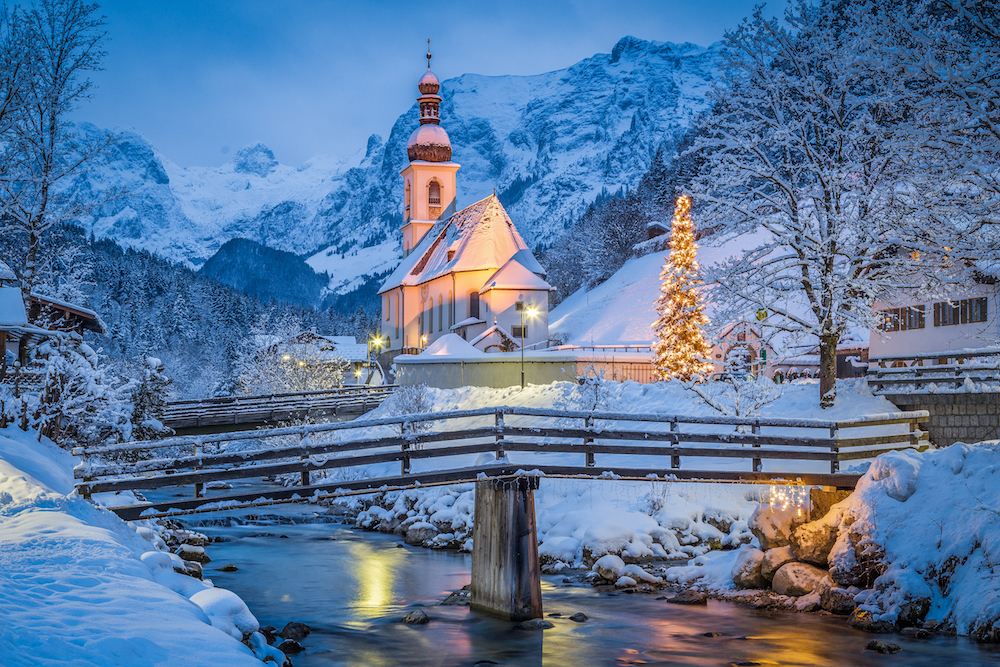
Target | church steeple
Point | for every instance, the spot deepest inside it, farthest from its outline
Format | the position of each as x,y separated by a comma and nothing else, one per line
429,180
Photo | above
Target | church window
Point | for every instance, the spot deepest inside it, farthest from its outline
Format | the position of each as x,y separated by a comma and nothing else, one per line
420,321
406,200
434,194
440,313
451,310
474,304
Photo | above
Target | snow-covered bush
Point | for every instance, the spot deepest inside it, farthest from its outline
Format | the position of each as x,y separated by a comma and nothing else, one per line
81,402
149,400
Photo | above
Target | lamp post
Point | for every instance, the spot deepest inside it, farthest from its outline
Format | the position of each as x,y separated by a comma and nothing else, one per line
530,311
376,343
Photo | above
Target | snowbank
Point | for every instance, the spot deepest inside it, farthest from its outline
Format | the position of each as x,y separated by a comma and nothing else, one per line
82,587
921,535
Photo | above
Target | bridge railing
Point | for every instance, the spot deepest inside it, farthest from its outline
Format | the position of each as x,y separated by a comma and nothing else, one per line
271,407
408,439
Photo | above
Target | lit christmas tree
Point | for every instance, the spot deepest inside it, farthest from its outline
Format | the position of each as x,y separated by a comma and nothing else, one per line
681,348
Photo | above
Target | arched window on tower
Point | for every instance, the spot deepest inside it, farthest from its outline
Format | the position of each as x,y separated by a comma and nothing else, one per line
434,194
406,200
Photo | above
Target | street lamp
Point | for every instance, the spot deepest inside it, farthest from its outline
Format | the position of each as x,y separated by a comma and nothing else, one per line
375,342
530,311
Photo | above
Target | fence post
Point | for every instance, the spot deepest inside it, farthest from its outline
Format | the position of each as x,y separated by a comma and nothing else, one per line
587,440
758,465
304,477
675,459
197,486
835,448
914,440
405,447
499,436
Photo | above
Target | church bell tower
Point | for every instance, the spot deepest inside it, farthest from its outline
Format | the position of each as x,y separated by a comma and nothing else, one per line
429,179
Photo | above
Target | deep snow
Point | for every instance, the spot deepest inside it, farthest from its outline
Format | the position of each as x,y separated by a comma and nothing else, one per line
83,588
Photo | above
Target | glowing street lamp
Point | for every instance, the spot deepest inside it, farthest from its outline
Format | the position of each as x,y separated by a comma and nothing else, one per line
530,312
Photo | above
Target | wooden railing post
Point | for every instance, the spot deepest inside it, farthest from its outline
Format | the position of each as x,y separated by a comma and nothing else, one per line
587,423
405,447
304,476
914,438
197,487
758,465
675,459
498,419
835,448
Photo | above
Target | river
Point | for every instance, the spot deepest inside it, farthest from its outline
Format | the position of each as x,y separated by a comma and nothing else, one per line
353,588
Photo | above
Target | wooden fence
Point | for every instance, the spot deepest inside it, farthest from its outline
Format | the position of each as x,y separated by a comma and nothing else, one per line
674,439
236,410
906,374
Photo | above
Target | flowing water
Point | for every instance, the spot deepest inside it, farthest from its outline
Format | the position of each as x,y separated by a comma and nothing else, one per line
353,588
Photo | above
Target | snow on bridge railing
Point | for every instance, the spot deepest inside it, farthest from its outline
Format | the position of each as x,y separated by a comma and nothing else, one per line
224,400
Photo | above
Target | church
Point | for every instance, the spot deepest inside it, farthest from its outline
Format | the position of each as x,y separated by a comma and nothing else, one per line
466,272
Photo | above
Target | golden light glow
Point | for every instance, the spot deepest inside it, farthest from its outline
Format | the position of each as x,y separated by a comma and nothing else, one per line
286,357
531,311
789,496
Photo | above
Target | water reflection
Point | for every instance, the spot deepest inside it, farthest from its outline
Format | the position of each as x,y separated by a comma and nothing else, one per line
354,589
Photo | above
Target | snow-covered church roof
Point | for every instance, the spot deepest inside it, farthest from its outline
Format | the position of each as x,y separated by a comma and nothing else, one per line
514,276
479,237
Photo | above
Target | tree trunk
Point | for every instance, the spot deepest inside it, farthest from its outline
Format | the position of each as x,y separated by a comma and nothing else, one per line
828,369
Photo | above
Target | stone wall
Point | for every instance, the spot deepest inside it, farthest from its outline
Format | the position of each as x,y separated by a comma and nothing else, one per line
962,417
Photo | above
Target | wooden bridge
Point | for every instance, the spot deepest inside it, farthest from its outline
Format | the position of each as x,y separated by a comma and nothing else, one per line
435,448
226,412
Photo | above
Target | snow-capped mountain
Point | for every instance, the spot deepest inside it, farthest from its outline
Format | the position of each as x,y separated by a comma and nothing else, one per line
548,144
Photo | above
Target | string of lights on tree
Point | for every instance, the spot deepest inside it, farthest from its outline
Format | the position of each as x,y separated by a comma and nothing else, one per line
681,350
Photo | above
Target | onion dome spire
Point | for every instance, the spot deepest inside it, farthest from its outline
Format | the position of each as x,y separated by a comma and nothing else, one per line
429,142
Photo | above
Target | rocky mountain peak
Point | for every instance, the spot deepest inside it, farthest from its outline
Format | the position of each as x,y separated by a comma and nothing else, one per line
256,159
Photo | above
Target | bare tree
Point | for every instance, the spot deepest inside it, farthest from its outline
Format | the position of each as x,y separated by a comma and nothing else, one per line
62,41
801,152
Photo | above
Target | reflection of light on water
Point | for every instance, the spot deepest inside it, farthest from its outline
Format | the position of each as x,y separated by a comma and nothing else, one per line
286,598
374,571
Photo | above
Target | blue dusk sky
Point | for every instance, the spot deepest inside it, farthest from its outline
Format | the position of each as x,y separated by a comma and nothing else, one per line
202,78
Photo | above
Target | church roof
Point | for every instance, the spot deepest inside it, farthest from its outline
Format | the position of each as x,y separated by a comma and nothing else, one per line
514,275
481,235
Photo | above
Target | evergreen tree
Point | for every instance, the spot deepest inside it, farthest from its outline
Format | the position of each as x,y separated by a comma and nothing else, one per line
681,348
150,401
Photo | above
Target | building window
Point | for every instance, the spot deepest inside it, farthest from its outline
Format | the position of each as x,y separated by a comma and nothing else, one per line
518,331
519,306
451,255
964,311
406,200
420,321
451,310
474,304
440,313
903,319
434,194
397,317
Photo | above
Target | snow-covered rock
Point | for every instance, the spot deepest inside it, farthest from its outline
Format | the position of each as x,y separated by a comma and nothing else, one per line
609,567
773,526
775,558
747,569
812,542
227,612
797,579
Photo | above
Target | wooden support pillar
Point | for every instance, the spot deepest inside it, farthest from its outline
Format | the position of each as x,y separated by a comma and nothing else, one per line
506,579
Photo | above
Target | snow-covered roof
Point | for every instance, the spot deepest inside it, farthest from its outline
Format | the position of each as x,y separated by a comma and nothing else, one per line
495,331
5,272
468,321
481,235
12,308
528,261
82,310
451,345
514,275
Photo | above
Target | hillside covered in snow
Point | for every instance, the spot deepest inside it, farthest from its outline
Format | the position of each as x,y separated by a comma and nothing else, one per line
548,144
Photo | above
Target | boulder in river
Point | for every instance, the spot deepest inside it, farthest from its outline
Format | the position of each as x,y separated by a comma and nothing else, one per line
290,646
534,624
882,647
837,599
192,553
689,597
295,631
578,617
416,617
864,620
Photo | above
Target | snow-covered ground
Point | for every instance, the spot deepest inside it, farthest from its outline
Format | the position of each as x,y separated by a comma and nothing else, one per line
81,587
